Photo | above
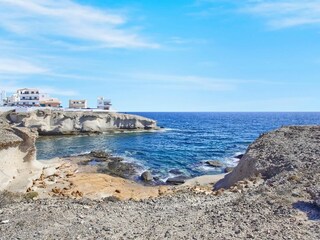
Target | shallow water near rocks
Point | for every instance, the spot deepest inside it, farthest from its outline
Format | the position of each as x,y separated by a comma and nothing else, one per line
187,141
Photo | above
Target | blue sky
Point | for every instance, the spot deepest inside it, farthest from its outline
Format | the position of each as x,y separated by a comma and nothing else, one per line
181,55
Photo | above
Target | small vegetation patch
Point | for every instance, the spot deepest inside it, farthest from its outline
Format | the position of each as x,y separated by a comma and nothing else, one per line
31,195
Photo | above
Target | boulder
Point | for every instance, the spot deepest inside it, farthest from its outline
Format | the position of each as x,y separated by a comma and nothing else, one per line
177,180
214,163
119,169
146,176
99,154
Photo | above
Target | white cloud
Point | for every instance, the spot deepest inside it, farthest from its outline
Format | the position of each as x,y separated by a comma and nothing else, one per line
286,13
20,67
69,20
278,13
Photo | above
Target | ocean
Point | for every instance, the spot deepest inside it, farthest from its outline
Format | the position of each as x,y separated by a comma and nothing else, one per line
185,143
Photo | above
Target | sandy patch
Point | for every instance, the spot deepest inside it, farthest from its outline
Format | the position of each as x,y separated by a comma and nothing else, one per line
96,186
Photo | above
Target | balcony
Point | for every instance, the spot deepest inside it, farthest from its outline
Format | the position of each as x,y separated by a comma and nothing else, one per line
29,98
26,93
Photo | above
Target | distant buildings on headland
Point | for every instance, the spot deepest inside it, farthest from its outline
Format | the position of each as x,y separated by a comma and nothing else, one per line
32,97
29,97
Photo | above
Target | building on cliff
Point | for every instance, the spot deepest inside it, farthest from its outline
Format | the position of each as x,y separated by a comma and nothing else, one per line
103,103
50,102
30,97
78,104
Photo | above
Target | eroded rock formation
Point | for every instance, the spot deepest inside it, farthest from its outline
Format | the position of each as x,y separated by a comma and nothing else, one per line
288,159
18,165
55,122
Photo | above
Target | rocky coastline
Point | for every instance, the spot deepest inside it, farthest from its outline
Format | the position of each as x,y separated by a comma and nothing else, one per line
273,193
59,122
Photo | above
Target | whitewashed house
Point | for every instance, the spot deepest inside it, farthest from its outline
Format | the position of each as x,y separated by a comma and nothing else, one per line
104,104
11,100
78,104
28,97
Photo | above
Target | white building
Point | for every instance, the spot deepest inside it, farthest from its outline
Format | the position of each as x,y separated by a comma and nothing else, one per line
2,98
28,97
12,100
78,104
50,102
103,103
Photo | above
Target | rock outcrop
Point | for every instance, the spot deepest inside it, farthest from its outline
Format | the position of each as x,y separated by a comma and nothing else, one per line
58,122
18,165
288,158
146,176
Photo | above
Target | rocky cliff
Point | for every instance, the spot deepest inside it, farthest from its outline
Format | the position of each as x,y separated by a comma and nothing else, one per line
55,122
288,159
18,165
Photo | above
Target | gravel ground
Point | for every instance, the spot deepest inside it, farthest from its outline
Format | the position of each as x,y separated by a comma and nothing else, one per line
185,215
279,207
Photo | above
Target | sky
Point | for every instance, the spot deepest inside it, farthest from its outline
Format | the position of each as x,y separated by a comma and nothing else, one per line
181,55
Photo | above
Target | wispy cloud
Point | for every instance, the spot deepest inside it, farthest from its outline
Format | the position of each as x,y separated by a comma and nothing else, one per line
277,13
286,13
69,20
20,67
181,40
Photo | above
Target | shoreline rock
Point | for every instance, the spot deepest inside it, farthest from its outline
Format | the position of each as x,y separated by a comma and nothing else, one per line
146,176
58,122
177,180
284,158
214,163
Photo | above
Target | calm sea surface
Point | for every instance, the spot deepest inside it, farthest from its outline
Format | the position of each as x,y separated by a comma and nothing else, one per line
189,139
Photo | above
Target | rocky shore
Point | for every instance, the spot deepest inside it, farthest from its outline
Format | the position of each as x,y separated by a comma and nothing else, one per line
59,122
72,177
273,193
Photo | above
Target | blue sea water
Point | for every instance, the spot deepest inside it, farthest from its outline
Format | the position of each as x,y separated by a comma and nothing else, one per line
187,141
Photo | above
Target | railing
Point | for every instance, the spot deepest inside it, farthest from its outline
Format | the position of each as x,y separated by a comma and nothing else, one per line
29,98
